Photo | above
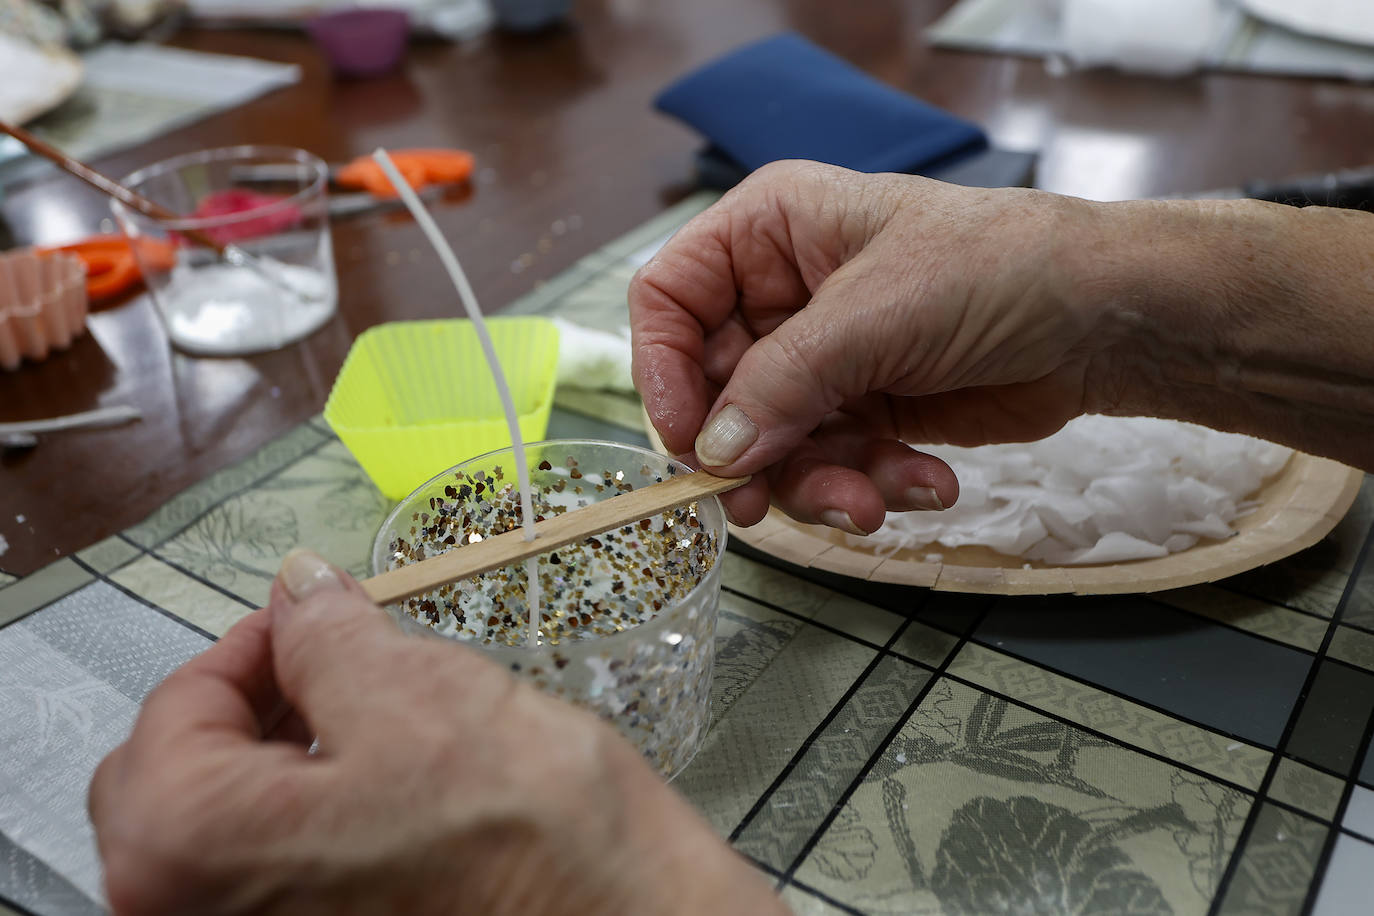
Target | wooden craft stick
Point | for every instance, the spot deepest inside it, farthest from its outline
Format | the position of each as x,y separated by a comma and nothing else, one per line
511,547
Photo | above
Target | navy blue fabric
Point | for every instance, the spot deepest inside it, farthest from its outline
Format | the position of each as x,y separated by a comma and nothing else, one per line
785,98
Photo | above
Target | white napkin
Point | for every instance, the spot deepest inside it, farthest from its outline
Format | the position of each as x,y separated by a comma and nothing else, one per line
34,79
596,360
1340,20
1165,37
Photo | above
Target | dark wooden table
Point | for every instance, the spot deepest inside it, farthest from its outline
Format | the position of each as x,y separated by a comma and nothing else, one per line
563,129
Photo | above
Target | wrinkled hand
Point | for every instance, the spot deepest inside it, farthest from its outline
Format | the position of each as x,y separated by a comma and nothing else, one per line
818,318
441,785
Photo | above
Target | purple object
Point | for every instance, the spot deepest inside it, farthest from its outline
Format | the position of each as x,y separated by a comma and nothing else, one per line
362,42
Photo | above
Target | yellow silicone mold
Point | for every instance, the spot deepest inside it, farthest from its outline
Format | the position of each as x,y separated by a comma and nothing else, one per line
416,397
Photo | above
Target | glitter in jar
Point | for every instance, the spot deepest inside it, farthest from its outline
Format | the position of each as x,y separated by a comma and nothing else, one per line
626,624
599,587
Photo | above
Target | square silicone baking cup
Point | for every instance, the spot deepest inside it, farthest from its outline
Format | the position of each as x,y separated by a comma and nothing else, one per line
416,397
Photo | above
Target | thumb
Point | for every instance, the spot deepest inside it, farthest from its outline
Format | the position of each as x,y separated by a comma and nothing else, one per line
330,643
788,381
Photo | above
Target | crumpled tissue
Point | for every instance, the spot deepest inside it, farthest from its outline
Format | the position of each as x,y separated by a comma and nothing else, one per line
591,359
1101,490
1163,37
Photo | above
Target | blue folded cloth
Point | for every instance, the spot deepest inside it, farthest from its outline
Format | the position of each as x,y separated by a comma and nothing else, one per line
785,98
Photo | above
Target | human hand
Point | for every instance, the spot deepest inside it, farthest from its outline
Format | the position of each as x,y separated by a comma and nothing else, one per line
441,784
820,318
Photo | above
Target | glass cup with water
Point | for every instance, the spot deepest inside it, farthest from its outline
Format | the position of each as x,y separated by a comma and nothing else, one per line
249,266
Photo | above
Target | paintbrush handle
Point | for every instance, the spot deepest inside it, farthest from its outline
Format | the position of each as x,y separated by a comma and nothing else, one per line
511,547
108,186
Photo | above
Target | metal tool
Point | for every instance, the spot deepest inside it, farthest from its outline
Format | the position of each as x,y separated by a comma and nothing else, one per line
421,168
25,434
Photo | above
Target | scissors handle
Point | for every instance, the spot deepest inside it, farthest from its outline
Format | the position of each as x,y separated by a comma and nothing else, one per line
420,168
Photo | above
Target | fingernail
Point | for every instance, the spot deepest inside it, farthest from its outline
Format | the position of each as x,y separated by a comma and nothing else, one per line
726,437
924,498
838,518
305,572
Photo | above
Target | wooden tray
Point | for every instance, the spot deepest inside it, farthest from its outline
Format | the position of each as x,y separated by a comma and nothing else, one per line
1298,507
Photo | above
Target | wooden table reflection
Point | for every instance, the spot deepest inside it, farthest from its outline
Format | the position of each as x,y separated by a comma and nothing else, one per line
564,133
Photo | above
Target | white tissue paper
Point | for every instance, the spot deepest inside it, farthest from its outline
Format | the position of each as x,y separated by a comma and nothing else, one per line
1340,20
596,360
1164,37
1101,490
454,19
34,79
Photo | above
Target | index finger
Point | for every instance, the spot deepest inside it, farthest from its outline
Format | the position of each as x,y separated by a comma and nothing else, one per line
735,259
675,300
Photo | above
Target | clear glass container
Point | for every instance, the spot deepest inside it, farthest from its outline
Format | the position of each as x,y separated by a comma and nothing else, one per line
273,284
651,677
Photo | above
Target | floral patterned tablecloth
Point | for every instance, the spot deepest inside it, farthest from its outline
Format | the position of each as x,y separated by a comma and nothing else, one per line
874,748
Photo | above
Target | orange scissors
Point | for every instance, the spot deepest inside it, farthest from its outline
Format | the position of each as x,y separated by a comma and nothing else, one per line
419,167
111,267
